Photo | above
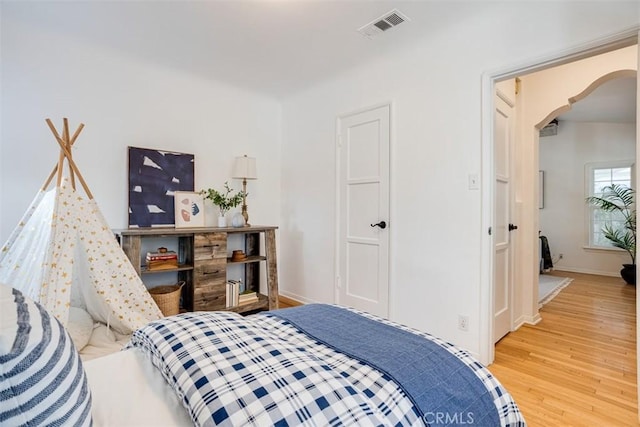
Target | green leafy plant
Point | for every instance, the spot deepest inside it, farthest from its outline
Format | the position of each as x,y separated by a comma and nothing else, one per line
620,199
225,200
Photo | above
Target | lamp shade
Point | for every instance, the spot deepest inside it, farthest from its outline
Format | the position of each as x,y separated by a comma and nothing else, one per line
245,168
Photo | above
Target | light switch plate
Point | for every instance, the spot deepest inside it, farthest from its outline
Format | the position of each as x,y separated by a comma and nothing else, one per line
474,181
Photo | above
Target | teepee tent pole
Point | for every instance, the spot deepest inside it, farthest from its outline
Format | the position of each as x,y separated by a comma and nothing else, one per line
54,171
60,165
65,138
66,153
50,178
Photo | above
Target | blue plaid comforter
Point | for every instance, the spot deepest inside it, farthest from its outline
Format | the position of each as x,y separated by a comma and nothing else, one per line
261,370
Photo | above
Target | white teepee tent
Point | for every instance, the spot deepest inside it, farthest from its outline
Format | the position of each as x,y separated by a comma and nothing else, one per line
62,254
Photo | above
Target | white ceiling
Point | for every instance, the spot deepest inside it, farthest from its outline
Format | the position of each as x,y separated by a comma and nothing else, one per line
272,46
275,47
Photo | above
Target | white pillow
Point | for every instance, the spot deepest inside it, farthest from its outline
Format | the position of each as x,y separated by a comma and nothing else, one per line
80,327
42,381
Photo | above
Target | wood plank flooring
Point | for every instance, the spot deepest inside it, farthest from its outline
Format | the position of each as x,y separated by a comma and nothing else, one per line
577,367
284,302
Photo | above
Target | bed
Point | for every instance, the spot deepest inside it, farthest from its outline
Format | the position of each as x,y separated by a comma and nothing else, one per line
264,370
311,365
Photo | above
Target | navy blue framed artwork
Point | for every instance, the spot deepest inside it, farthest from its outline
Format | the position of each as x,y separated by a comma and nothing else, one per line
154,176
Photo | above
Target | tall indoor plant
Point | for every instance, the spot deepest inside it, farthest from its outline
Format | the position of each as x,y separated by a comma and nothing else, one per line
620,199
225,200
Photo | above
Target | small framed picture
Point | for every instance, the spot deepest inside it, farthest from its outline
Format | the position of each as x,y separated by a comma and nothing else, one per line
540,189
189,209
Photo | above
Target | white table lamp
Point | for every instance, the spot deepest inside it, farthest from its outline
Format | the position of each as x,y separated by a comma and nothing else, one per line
244,168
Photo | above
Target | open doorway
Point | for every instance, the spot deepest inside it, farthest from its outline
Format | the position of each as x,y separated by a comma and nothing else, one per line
538,108
573,342
539,101
593,132
589,148
583,150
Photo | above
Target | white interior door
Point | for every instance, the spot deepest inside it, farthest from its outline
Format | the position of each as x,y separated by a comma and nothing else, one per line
363,200
503,258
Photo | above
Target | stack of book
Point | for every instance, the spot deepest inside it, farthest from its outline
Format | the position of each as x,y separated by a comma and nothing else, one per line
247,297
233,292
237,297
162,260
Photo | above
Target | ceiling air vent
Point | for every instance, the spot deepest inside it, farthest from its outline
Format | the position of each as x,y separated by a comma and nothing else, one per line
383,23
551,129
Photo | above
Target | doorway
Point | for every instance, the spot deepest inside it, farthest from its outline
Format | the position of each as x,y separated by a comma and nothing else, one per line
587,148
363,210
526,196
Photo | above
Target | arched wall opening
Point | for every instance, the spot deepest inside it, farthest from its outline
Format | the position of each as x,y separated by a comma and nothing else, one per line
593,138
546,87
620,74
544,95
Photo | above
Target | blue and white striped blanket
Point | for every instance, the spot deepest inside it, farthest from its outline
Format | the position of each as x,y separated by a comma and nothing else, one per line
262,370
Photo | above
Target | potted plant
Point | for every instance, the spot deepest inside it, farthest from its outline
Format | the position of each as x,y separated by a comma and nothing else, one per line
620,199
225,200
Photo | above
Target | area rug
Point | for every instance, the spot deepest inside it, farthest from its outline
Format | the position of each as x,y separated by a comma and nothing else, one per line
550,286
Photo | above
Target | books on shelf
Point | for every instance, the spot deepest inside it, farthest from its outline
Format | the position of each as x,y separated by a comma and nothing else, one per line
247,297
233,292
162,265
235,297
161,260
159,256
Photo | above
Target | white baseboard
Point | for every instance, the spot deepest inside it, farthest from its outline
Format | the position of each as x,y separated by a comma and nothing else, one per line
297,298
529,320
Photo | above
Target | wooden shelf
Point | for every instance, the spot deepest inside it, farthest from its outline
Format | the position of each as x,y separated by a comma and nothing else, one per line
174,232
205,259
183,267
261,304
252,258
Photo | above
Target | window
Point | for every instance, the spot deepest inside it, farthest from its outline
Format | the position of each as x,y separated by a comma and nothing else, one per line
599,176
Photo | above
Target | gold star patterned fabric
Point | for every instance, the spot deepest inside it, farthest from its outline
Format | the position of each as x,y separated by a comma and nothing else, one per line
63,253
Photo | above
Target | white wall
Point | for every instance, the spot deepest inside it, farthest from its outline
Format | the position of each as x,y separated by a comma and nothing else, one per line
564,218
435,219
123,101
435,86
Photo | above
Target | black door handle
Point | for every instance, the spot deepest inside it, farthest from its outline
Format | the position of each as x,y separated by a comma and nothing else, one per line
381,224
512,227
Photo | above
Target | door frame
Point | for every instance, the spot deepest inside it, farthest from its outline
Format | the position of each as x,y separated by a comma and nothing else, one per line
391,251
619,40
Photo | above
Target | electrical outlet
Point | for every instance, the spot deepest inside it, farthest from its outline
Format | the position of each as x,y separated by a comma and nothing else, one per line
561,256
463,322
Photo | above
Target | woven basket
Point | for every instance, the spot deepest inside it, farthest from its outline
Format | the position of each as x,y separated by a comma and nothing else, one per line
167,298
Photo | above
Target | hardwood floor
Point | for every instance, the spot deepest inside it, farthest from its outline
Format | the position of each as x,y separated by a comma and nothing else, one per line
577,367
284,302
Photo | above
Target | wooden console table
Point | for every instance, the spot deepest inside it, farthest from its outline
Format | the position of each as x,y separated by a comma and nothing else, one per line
203,260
